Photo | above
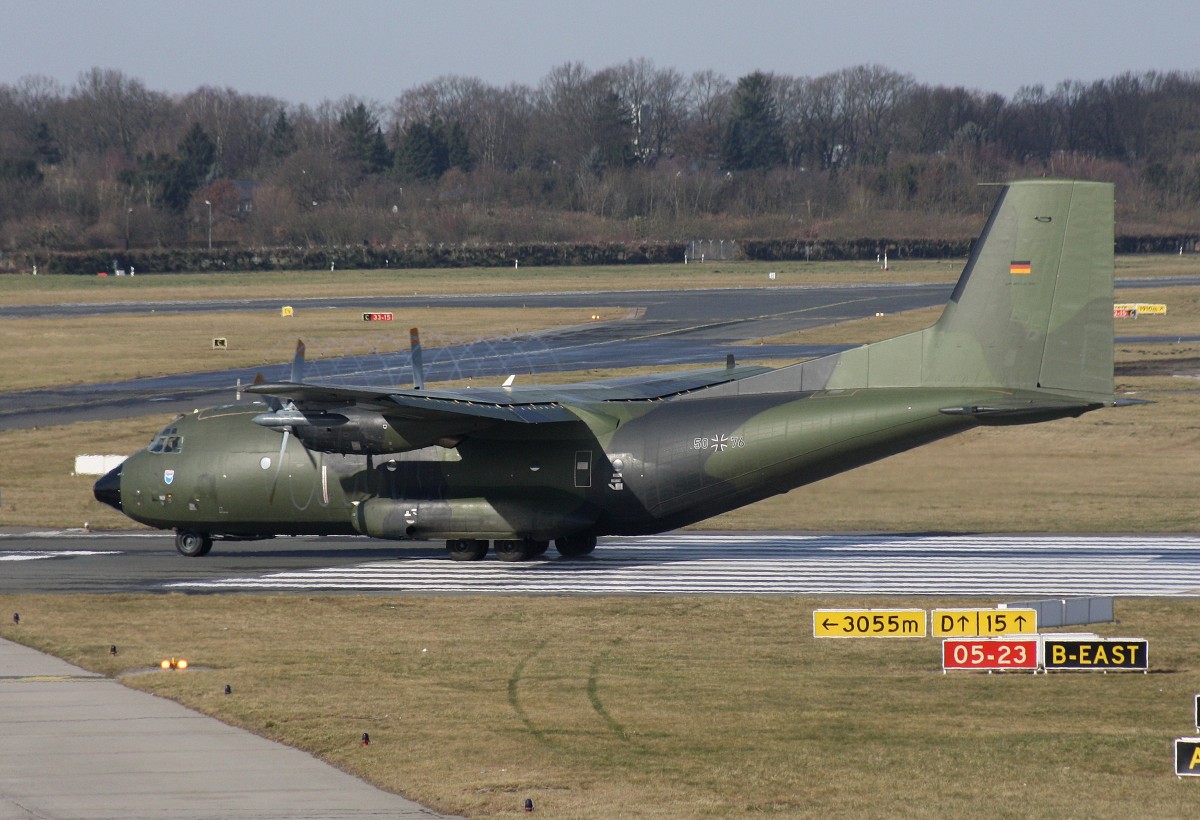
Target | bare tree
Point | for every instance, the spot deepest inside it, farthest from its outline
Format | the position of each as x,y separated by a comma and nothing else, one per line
112,110
707,100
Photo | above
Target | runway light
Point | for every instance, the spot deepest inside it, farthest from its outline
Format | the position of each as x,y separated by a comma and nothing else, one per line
16,617
166,663
112,650
181,663
228,689
528,805
366,739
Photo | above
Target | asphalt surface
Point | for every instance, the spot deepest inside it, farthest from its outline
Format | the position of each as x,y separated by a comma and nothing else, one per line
685,562
672,329
76,744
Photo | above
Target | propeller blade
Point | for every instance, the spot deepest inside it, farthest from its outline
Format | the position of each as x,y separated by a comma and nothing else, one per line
298,363
279,465
414,342
272,402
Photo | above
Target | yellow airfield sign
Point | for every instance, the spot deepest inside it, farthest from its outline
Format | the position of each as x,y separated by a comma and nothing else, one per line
869,623
975,623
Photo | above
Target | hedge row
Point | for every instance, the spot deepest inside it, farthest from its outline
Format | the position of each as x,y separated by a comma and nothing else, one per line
498,256
775,250
355,257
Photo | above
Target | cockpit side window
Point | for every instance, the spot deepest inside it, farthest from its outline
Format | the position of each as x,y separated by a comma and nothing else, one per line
168,441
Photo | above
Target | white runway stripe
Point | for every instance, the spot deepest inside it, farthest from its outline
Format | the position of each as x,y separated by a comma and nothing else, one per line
38,555
1055,565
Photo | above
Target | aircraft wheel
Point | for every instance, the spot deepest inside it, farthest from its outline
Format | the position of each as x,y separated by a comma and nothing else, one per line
193,544
574,546
511,550
539,548
466,549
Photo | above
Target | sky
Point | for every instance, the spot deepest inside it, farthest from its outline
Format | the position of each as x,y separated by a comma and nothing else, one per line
304,51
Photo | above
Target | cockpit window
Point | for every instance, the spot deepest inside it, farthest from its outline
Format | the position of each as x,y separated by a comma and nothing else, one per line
168,441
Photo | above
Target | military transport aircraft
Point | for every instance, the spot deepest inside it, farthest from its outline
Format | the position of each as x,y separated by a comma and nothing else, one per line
1027,336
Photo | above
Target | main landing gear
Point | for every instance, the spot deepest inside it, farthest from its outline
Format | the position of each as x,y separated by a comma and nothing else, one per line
524,549
193,544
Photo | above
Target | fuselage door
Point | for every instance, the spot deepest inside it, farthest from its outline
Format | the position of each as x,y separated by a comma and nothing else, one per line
583,468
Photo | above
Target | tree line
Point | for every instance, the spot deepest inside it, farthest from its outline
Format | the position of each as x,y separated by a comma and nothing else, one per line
629,153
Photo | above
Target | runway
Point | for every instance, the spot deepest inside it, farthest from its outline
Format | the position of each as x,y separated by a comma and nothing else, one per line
672,329
682,563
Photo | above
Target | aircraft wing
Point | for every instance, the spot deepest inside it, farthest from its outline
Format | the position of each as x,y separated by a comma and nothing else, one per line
523,404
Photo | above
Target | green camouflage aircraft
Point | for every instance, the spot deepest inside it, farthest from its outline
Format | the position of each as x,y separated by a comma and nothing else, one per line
1027,336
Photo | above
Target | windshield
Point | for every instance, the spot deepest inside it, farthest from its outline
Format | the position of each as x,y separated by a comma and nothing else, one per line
168,441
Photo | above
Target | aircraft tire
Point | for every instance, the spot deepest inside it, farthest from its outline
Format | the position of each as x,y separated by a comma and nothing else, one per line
466,549
516,550
575,546
193,544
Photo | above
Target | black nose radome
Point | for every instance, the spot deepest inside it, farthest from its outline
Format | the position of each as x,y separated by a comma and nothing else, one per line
108,488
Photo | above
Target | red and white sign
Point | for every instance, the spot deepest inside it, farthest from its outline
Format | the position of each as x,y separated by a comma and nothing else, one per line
989,654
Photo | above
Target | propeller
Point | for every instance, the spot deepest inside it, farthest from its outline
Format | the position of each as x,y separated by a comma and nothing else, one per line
298,363
414,342
297,377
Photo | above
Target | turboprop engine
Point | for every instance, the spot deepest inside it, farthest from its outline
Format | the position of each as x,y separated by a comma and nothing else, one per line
359,432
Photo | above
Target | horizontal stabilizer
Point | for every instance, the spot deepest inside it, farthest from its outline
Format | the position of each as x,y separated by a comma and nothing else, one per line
1021,411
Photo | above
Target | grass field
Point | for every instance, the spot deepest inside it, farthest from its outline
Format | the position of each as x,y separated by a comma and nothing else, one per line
288,285
1115,470
689,706
655,707
37,353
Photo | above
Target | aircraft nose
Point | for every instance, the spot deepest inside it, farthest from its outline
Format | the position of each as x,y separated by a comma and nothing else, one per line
108,489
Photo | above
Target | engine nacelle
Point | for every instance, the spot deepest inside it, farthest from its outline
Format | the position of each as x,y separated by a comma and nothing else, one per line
362,432
544,519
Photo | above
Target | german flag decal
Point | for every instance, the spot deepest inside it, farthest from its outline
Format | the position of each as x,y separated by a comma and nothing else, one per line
1020,267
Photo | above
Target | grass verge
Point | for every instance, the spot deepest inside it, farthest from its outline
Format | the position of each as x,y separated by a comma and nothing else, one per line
285,285
668,707
37,353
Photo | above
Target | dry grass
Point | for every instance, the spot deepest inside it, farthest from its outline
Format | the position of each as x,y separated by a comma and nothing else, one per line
288,285
1123,470
683,707
49,352
38,485
16,290
1118,470
659,707
1114,470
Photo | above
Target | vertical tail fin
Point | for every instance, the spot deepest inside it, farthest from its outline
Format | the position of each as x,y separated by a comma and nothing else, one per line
1032,309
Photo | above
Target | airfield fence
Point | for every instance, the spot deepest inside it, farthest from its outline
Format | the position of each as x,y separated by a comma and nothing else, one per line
713,250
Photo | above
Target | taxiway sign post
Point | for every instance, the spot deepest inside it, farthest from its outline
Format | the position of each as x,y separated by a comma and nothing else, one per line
990,654
1096,654
970,623
1187,757
869,623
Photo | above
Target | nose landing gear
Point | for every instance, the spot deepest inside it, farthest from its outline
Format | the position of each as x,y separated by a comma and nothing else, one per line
193,544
